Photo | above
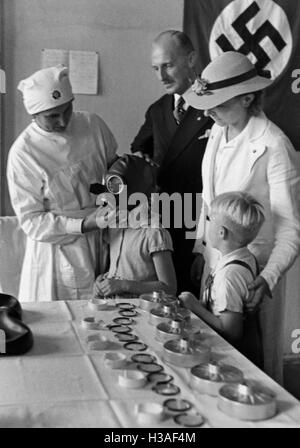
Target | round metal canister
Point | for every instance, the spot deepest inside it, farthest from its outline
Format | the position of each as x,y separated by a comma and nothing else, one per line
162,313
172,329
149,301
208,378
246,402
185,353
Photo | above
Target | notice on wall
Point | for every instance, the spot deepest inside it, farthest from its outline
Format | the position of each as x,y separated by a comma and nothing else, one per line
83,68
84,71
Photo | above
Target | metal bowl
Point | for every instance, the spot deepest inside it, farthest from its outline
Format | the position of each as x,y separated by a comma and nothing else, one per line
185,353
154,300
172,329
208,378
246,402
162,313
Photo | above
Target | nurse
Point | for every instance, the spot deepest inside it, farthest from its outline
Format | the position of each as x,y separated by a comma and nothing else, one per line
247,152
49,171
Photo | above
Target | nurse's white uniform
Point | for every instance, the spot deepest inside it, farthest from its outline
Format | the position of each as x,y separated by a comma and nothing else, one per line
49,175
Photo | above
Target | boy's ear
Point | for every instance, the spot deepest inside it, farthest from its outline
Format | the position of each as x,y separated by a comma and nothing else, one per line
223,232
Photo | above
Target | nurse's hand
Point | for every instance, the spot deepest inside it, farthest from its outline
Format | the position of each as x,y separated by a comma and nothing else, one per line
101,215
111,286
260,289
197,269
105,216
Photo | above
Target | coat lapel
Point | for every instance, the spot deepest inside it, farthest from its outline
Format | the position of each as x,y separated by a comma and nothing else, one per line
192,123
208,164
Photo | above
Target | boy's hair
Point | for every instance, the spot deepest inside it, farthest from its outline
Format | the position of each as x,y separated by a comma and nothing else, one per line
242,214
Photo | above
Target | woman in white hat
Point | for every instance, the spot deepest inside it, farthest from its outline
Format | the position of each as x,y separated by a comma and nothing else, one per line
50,168
247,152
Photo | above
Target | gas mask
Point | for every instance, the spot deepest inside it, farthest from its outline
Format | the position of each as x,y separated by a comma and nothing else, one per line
134,172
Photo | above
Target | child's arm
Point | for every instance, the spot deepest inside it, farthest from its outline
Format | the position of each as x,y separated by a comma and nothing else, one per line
229,324
165,272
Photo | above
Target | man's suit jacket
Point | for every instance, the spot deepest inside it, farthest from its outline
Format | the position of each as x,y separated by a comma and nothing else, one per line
178,149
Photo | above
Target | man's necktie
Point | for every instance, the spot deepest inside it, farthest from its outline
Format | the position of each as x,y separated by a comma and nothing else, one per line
179,111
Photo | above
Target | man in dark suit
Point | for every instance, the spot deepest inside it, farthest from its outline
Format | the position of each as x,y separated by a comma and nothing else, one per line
174,136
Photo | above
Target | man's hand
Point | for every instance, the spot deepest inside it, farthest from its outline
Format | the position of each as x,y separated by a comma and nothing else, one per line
146,157
260,288
197,269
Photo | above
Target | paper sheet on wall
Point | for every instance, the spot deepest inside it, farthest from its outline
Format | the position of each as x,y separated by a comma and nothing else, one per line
83,68
84,72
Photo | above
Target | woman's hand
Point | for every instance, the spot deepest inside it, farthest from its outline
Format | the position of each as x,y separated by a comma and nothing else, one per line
197,269
260,289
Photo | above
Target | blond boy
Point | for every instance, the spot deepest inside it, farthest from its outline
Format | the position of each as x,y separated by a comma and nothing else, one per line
234,221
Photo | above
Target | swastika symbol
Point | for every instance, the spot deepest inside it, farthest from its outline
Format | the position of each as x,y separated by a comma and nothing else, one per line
252,41
257,28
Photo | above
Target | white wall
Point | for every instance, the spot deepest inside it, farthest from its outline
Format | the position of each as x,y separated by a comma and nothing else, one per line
120,30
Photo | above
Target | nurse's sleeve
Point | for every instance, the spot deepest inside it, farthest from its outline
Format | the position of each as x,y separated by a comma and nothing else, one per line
105,138
26,193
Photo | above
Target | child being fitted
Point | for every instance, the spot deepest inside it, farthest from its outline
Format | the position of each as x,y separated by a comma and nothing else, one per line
140,253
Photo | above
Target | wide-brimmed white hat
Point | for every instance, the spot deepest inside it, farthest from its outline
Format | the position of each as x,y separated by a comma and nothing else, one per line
46,89
228,75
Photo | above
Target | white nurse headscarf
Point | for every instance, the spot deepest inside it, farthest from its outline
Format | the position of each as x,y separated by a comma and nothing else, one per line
46,89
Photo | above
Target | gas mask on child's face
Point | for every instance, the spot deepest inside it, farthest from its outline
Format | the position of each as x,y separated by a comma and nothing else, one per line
131,171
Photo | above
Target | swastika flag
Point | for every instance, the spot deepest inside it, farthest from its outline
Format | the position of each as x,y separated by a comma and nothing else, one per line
268,32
